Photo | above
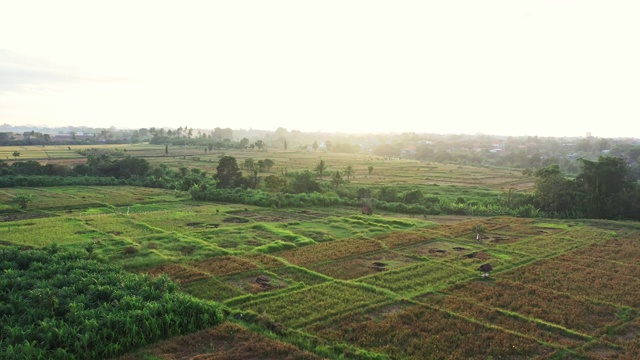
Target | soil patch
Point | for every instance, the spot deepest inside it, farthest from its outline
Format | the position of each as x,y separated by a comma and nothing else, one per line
25,216
502,239
261,217
263,282
437,251
629,333
235,220
222,342
604,352
195,225
478,255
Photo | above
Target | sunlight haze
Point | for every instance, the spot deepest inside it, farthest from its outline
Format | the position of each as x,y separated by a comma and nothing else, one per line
548,68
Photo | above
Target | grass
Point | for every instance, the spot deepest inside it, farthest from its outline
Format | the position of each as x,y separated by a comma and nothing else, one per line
420,278
310,305
42,232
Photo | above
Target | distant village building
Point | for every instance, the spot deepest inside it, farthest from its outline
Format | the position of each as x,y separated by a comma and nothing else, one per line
409,150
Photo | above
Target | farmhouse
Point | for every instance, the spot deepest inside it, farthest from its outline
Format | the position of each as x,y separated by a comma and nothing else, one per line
409,150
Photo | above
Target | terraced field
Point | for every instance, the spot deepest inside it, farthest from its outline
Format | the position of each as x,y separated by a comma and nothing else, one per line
326,281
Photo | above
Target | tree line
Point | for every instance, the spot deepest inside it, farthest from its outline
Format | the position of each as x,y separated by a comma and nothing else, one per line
603,189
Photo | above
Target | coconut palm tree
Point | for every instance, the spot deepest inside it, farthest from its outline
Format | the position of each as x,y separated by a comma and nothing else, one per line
348,171
321,167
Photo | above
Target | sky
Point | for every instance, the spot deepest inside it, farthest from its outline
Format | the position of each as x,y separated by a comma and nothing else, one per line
512,67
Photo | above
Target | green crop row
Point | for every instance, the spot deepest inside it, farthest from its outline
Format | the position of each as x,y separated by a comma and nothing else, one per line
59,305
420,278
306,306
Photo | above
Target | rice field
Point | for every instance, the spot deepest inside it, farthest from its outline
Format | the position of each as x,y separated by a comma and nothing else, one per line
385,286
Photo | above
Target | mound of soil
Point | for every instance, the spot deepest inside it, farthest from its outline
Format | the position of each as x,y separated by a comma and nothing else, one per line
24,216
478,255
503,239
264,282
22,247
437,251
235,220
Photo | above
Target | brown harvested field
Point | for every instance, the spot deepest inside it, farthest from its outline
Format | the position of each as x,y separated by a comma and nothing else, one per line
529,229
622,250
626,338
404,238
466,227
330,251
437,249
420,331
224,342
356,267
560,309
255,282
281,216
577,280
224,265
469,308
263,261
591,259
602,351
179,273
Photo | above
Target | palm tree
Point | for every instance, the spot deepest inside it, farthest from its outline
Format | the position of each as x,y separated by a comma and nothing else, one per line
336,180
348,171
22,200
321,167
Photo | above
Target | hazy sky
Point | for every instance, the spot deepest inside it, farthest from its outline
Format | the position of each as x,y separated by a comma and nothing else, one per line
550,68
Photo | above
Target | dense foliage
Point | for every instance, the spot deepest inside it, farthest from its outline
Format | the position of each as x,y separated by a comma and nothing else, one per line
61,305
603,189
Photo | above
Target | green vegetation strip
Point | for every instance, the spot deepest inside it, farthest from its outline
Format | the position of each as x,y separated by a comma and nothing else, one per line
299,308
60,305
420,278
